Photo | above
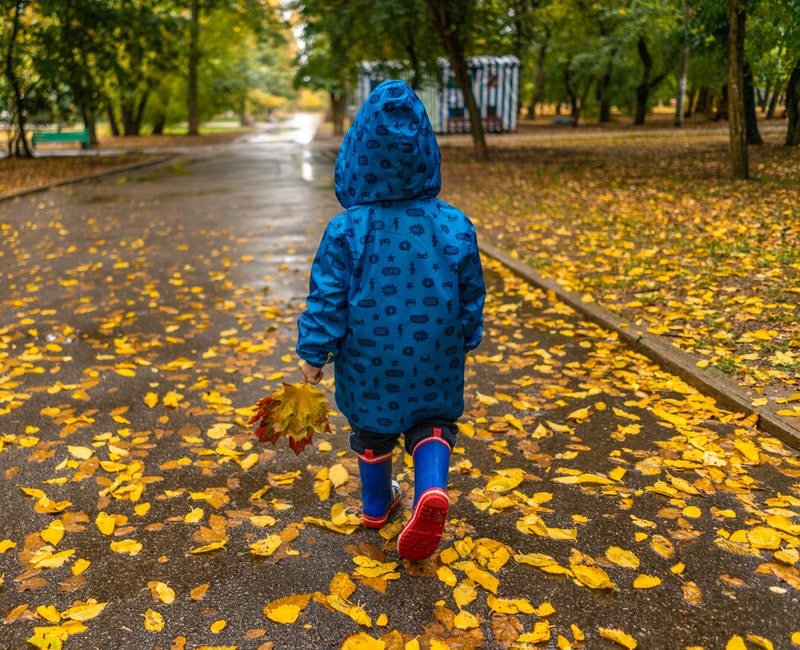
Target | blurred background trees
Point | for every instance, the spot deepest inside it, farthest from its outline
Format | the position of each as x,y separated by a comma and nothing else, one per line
149,66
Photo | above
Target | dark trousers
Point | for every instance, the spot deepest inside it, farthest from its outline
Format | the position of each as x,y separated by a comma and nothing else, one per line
362,440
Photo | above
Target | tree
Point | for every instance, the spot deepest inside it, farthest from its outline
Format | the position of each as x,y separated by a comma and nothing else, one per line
17,67
793,107
683,66
451,18
736,112
330,36
255,15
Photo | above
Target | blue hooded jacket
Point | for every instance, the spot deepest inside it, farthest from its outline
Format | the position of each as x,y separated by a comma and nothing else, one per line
396,290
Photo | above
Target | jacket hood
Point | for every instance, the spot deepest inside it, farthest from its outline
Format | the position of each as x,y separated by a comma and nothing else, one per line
390,152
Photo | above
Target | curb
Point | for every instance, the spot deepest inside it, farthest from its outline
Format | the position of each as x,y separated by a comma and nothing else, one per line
727,394
86,177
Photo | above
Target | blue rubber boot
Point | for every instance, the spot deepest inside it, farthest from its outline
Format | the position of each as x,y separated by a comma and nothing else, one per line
422,533
379,493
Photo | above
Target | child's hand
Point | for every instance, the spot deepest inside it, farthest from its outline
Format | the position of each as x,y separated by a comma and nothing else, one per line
311,374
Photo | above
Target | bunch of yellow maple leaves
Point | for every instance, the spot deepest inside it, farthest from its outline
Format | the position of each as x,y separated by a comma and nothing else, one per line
295,411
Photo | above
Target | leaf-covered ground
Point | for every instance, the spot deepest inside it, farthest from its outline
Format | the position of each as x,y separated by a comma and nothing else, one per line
598,502
649,225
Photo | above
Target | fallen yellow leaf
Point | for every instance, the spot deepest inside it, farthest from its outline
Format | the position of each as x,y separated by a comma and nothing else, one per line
644,581
153,621
618,636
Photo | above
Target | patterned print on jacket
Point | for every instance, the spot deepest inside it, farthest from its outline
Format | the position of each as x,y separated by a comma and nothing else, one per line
396,290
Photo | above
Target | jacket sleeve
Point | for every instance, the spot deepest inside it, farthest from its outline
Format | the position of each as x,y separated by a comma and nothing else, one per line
472,294
324,322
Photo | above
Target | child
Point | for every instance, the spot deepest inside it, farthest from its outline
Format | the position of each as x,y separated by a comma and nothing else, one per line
395,302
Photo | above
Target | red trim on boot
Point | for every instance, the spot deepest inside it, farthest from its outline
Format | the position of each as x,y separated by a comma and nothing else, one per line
380,522
433,438
422,533
369,457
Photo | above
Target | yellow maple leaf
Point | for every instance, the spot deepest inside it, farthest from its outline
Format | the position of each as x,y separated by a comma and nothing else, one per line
342,586
747,448
764,537
622,557
618,636
446,575
760,641
363,641
54,533
48,638
539,634
80,452
46,559
559,428
49,613
153,621
662,546
369,568
509,606
505,480
6,545
644,581
286,610
105,523
584,479
172,399
84,611
464,593
592,576
338,475
464,620
483,578
161,591
217,626
213,546
80,566
580,415
195,515
129,546
544,610
267,546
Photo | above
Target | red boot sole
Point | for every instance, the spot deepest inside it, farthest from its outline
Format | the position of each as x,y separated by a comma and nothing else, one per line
422,533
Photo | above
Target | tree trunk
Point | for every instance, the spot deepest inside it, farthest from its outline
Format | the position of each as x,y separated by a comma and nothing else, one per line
91,126
338,109
194,62
572,95
112,119
773,101
439,13
18,144
683,69
603,85
539,78
691,98
128,119
750,117
139,111
736,118
704,103
643,89
793,107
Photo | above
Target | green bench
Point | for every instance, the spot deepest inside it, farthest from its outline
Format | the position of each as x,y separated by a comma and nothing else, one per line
53,137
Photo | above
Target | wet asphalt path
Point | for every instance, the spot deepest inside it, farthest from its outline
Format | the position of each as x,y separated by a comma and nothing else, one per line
183,282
